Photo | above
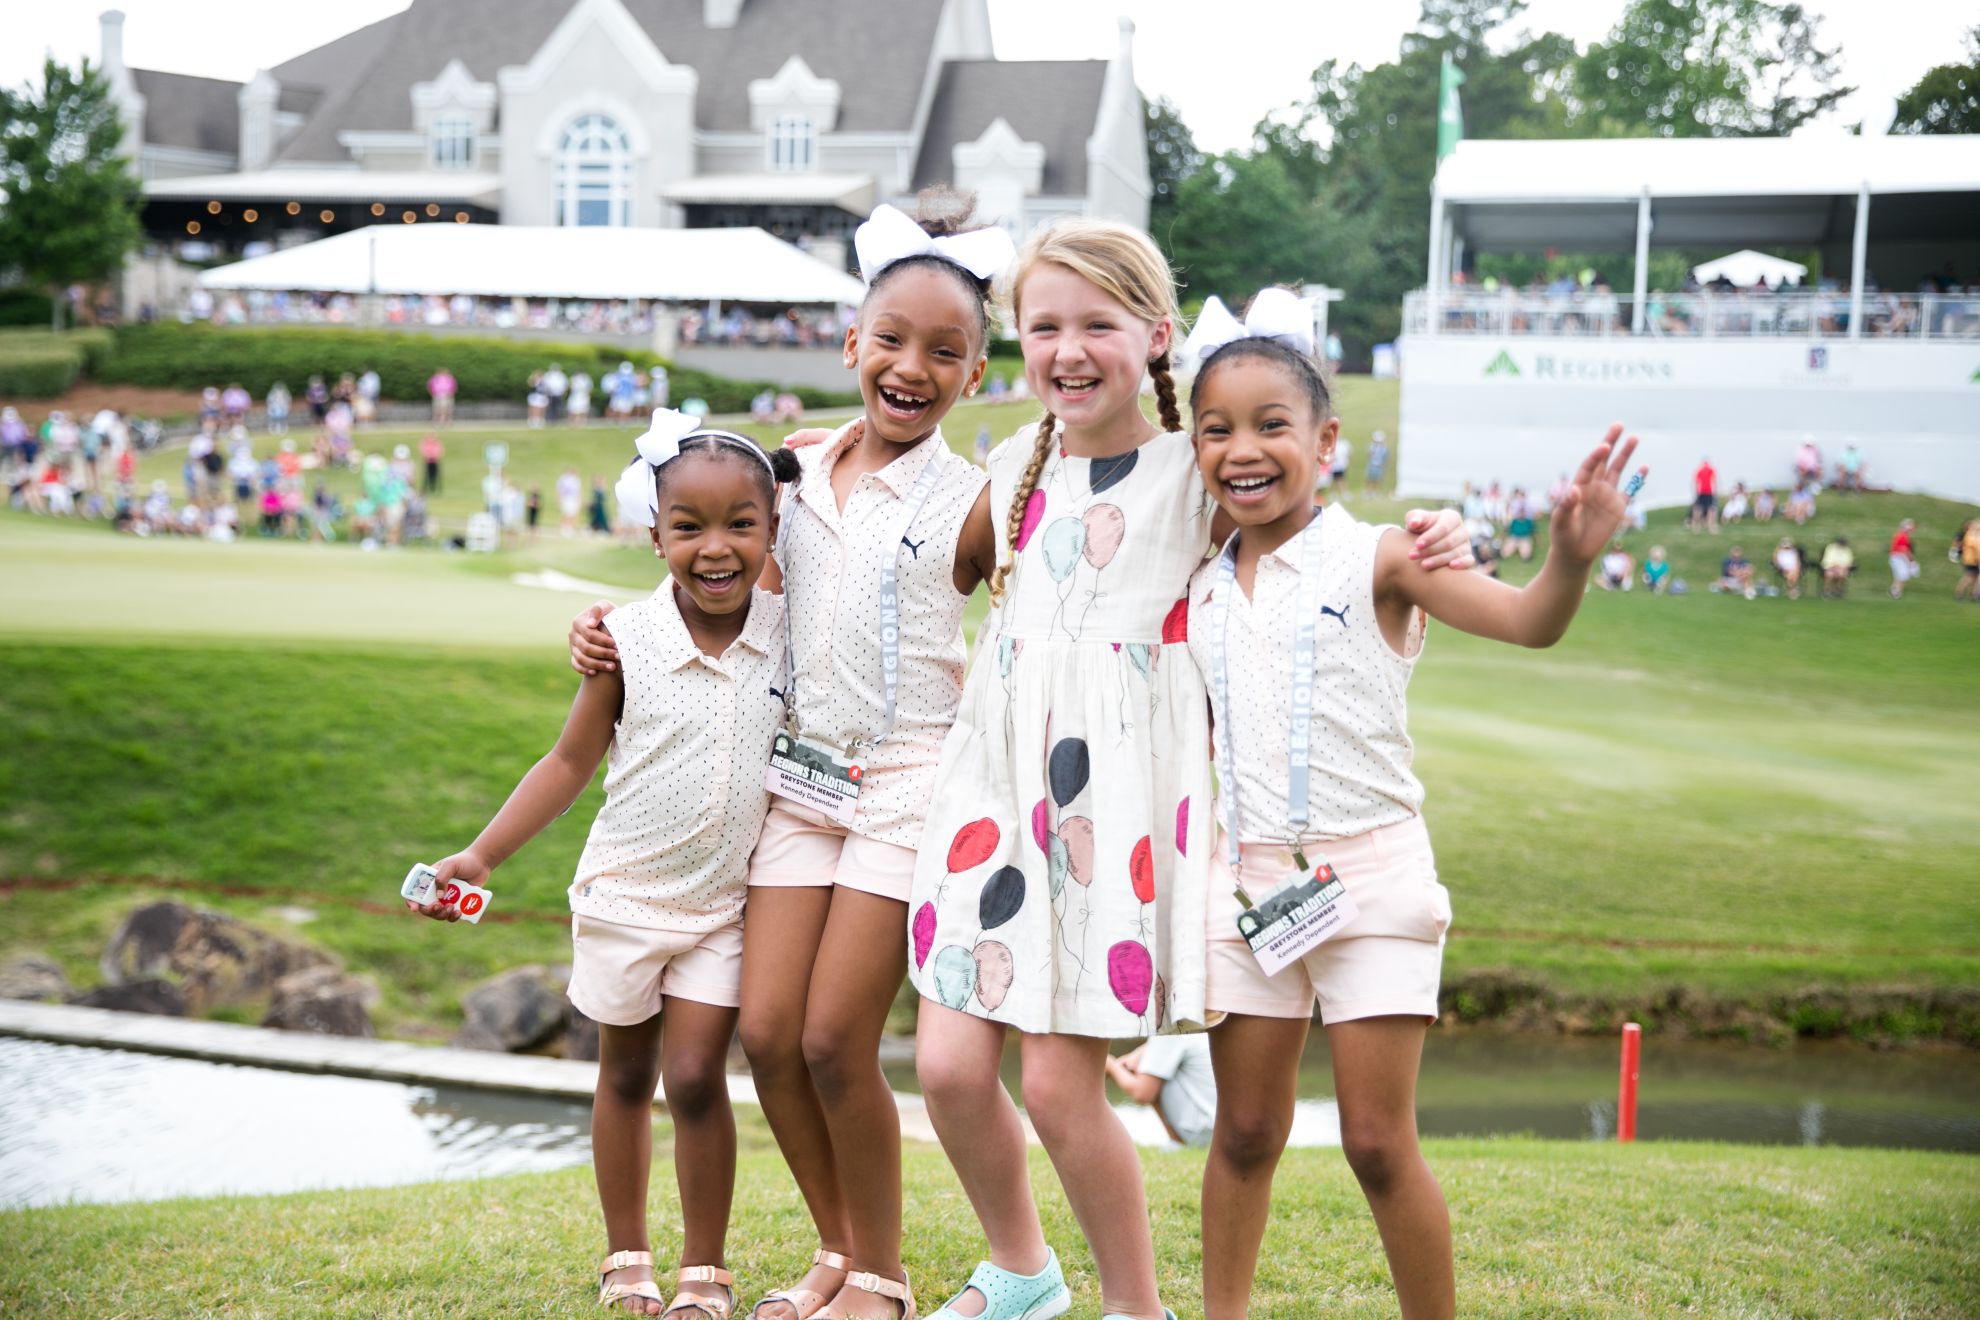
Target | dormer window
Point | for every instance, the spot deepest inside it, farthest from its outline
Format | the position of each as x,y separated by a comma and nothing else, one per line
453,142
793,142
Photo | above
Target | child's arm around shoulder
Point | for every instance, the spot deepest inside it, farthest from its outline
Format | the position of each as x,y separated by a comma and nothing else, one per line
1537,614
552,785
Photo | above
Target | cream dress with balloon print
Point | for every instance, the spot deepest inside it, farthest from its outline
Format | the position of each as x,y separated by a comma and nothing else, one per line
1061,882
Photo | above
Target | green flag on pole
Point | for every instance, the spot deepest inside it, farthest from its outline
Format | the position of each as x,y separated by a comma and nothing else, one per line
1450,115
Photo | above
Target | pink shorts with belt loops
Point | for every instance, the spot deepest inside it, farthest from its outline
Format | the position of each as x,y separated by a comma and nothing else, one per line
1386,962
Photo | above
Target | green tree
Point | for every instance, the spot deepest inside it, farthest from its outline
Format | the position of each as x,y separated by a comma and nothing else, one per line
1172,158
1240,225
71,204
1710,68
1362,145
1946,99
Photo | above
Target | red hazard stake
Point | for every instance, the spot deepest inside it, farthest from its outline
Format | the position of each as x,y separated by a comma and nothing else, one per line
1632,1051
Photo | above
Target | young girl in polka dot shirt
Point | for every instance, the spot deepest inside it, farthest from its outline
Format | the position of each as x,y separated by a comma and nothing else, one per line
684,725
1294,579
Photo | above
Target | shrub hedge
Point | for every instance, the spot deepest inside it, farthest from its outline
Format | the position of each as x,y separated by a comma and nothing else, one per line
41,364
191,356
37,373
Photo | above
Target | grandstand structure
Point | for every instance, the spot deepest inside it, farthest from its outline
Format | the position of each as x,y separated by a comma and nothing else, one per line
1881,349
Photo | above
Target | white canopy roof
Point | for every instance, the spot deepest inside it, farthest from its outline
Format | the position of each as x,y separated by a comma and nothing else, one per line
1622,169
326,185
1582,194
671,265
1747,267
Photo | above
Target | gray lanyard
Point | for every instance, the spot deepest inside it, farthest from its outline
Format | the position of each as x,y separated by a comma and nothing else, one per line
890,602
1299,737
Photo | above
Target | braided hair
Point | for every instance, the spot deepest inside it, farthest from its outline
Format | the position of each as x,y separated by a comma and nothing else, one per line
1125,264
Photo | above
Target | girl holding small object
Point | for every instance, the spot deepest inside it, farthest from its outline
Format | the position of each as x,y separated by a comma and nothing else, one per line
684,724
1308,625
1061,892
885,537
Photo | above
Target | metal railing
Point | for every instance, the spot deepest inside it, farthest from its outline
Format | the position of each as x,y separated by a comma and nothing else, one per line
1797,314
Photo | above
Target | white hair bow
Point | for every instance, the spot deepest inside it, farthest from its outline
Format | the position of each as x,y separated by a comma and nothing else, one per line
890,235
661,441
1274,314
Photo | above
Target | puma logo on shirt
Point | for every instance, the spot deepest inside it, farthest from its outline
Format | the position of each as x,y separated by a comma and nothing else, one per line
914,546
1340,613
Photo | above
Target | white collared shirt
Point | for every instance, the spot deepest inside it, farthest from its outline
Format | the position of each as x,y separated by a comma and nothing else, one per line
684,796
832,563
1359,753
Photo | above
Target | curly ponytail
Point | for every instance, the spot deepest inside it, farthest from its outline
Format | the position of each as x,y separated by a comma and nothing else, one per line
1165,393
1014,522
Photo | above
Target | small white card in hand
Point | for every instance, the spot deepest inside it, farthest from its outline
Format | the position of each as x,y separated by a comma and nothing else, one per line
472,900
421,883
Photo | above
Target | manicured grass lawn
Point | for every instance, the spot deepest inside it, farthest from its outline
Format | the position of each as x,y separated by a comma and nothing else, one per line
1736,798
1541,1229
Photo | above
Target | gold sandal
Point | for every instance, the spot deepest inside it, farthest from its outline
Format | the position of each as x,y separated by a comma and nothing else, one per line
805,1301
611,1294
881,1287
710,1308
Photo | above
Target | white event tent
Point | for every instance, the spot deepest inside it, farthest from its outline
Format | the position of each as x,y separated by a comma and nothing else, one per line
1746,268
513,261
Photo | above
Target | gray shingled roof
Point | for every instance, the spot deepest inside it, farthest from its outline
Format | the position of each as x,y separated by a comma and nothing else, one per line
1054,103
201,114
845,40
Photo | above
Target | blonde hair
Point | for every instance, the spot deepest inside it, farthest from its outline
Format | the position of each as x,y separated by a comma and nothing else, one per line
1123,263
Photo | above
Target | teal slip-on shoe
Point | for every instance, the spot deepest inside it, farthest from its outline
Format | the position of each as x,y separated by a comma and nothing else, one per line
1009,1296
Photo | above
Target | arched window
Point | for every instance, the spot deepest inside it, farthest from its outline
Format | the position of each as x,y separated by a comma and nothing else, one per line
594,173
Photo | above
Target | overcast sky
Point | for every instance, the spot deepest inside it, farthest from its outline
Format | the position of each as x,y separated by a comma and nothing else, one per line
1226,64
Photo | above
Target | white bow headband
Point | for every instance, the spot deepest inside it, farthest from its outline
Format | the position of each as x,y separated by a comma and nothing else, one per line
1274,314
660,444
890,235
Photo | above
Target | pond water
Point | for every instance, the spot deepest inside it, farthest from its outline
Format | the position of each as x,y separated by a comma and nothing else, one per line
90,1125
80,1124
1476,1083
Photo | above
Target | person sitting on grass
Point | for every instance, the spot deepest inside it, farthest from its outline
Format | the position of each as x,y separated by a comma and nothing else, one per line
1617,569
1763,505
1788,561
1737,504
1735,574
1519,526
1172,1075
1838,562
1657,571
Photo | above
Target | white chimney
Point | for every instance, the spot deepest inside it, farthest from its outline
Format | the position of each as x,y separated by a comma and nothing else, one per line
257,100
112,23
123,88
720,13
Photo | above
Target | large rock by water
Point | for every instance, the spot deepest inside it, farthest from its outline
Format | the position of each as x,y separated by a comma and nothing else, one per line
517,1010
34,976
323,1000
149,996
214,959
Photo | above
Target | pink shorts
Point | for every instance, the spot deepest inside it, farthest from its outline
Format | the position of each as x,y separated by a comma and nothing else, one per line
1386,962
619,973
800,847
